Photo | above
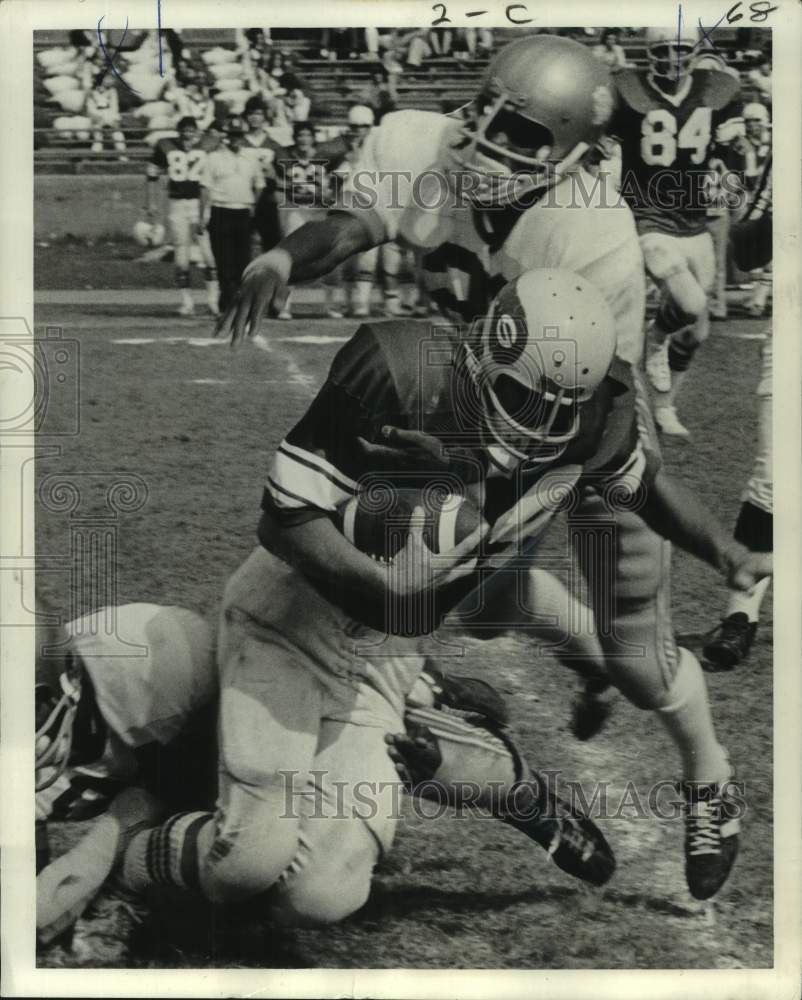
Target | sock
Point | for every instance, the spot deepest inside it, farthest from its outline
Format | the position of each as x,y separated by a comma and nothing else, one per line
754,528
680,354
677,378
361,294
186,298
748,601
212,292
689,722
167,854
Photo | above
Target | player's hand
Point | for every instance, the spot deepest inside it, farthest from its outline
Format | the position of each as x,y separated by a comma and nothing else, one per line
416,574
264,284
403,450
744,569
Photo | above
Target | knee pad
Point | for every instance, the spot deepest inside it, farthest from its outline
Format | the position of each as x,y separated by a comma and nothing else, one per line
314,901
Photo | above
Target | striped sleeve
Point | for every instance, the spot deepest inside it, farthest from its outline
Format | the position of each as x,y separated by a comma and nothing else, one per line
318,465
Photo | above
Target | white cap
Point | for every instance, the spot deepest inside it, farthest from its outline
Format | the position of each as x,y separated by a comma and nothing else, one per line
757,112
360,114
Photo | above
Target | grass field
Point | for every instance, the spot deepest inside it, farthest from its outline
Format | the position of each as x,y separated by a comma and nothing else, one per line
197,423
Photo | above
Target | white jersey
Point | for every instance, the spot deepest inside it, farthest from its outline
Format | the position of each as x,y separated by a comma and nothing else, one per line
399,189
151,667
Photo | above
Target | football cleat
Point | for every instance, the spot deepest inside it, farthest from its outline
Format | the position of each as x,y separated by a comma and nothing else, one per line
669,423
592,708
711,836
334,313
186,309
284,314
466,694
572,840
732,641
657,369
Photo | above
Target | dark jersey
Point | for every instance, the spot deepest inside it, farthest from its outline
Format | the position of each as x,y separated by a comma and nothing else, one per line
666,145
400,375
307,182
183,167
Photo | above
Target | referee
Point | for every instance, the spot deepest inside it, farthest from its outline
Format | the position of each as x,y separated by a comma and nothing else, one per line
231,183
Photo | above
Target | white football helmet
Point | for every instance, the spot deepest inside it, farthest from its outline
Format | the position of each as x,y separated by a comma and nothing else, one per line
671,53
545,347
58,693
756,120
544,102
149,234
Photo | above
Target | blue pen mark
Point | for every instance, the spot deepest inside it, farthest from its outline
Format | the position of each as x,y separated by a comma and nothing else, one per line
159,33
679,40
110,58
706,33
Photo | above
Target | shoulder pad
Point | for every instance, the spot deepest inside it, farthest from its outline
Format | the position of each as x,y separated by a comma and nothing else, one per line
633,91
718,88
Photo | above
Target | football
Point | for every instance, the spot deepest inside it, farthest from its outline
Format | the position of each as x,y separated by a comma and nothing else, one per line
377,520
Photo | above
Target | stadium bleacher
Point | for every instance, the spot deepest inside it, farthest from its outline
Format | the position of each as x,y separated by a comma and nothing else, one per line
439,84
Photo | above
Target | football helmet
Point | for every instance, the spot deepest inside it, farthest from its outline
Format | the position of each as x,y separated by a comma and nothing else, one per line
149,234
544,102
360,121
671,52
544,348
57,696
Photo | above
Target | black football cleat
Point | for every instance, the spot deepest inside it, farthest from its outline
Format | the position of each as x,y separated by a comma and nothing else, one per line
572,840
466,694
711,836
592,708
731,642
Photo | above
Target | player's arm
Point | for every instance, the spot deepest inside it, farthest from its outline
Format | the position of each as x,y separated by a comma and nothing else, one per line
313,250
152,174
399,597
676,513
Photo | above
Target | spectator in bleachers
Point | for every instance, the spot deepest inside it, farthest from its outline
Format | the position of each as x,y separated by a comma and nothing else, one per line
473,42
427,43
379,93
340,43
103,110
193,100
296,104
291,69
760,78
609,51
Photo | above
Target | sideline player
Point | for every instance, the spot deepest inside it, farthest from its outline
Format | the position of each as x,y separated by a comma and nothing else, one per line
754,528
182,160
668,120
319,644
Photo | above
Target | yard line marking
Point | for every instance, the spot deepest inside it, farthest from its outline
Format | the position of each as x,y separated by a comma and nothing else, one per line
741,336
262,381
303,338
297,375
209,381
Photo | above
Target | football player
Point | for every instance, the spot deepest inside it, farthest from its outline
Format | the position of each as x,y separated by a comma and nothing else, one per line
363,266
481,199
320,644
124,697
126,701
667,122
182,159
754,528
259,145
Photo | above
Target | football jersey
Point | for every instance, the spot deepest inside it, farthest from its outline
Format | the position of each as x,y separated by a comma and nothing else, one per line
666,145
183,167
307,182
400,374
400,191
263,149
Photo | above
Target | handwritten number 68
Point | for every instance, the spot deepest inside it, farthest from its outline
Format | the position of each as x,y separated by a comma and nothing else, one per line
760,11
